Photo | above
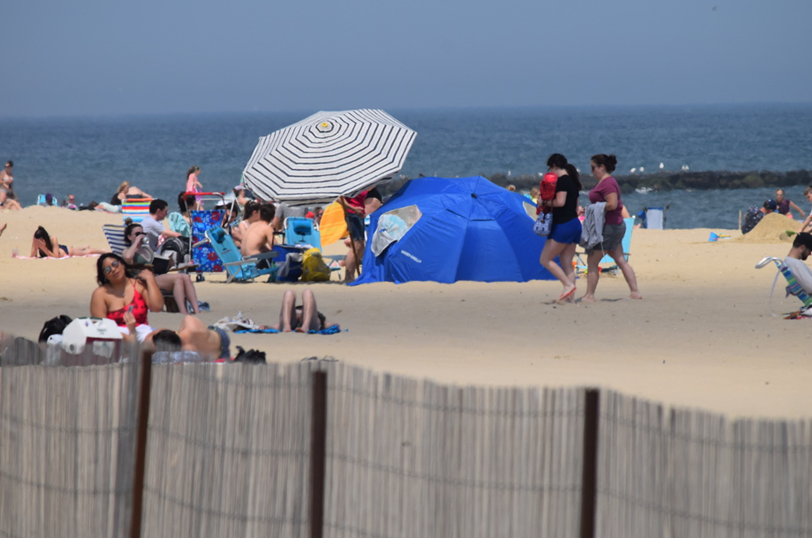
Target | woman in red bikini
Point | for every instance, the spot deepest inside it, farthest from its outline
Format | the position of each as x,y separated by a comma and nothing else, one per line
119,293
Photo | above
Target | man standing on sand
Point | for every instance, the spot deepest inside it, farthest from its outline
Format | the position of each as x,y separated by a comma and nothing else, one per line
754,215
152,226
800,251
258,238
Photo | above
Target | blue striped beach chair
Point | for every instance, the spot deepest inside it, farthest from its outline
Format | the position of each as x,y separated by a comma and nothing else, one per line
793,288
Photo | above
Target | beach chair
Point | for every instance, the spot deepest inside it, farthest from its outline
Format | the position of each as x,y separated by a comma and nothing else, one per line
793,288
237,267
43,201
135,208
115,238
301,231
607,263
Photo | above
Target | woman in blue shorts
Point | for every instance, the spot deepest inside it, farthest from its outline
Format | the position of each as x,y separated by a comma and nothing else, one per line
566,231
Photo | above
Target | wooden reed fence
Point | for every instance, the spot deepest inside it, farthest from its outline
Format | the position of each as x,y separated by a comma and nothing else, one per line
326,450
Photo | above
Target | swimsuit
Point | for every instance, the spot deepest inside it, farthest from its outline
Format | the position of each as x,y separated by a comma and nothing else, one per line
139,306
225,342
300,321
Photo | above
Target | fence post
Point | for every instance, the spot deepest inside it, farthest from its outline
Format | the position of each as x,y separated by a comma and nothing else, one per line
318,453
590,474
142,420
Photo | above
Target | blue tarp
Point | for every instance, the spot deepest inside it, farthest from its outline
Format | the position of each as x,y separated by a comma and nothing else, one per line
470,229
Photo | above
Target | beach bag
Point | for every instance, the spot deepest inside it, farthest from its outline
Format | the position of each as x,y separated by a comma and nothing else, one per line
252,356
53,326
313,267
544,224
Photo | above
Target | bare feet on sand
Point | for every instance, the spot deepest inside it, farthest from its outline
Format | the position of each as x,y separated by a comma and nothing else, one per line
3,228
635,295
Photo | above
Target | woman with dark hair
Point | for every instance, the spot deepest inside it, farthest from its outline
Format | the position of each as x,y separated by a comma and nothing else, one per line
607,190
181,221
45,246
566,230
250,216
139,253
121,296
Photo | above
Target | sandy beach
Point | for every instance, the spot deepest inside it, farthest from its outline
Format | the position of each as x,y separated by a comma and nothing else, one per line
704,335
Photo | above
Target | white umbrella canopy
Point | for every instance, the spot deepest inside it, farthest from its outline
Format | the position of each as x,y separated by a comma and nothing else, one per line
327,155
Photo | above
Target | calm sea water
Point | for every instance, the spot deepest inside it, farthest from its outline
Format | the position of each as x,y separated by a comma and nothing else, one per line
89,157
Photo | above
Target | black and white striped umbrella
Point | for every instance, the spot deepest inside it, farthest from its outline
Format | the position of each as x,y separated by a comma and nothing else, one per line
327,155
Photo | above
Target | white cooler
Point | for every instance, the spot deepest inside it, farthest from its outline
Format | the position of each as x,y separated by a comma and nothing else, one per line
100,333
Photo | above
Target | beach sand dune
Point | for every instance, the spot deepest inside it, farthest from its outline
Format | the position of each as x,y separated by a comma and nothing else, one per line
704,336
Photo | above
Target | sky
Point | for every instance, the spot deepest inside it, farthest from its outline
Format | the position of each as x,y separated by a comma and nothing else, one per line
114,57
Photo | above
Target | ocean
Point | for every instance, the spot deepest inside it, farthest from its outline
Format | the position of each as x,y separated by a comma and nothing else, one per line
90,156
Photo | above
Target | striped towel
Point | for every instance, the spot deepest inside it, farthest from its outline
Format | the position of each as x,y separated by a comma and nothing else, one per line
135,208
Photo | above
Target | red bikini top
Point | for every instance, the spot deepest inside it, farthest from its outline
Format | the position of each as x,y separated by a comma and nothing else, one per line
139,306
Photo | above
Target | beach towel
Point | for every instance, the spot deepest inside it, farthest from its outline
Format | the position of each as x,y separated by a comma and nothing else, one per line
332,329
53,258
332,226
592,227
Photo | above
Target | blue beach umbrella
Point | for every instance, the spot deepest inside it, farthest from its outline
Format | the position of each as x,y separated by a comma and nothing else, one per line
445,230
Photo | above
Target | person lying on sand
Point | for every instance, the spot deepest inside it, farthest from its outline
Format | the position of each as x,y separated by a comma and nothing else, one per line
43,245
304,318
193,335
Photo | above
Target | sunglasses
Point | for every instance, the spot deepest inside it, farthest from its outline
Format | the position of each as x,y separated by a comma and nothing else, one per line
109,269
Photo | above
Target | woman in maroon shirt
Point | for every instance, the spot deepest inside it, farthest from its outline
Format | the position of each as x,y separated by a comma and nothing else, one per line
614,228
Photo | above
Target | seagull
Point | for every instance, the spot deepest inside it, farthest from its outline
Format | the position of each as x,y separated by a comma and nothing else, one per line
684,167
633,170
642,169
662,166
508,173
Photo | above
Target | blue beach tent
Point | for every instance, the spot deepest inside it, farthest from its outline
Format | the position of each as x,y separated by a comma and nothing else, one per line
445,230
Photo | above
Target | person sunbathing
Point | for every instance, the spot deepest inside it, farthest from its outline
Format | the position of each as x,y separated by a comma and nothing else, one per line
43,245
120,292
193,335
258,238
304,318
138,252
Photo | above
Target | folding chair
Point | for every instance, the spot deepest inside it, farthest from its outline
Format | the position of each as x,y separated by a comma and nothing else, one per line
793,288
607,263
135,208
42,200
301,230
237,267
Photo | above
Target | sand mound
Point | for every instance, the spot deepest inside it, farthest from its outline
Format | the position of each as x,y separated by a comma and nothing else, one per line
773,228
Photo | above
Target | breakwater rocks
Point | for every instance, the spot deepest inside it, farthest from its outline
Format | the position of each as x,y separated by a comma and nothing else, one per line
660,181
665,181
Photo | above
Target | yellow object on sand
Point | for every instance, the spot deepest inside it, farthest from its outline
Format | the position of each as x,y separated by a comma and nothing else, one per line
332,226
